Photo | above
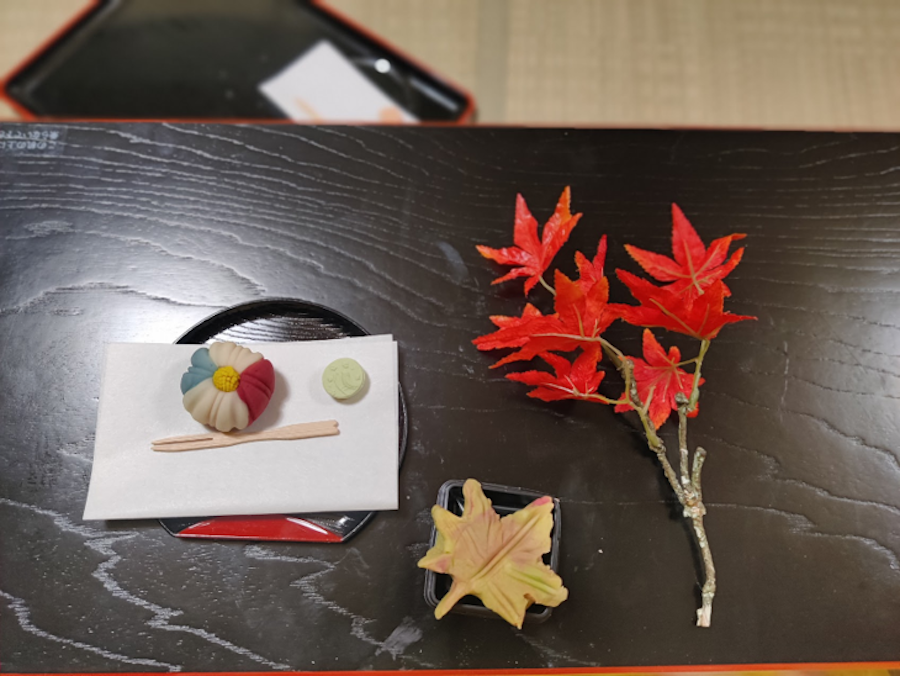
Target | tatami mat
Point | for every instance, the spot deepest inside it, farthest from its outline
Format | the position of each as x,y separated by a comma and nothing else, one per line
750,63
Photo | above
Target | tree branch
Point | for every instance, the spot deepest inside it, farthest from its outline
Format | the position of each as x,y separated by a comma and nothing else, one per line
653,441
695,390
685,484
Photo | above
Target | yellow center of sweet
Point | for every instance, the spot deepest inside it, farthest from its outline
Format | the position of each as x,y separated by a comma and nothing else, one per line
226,379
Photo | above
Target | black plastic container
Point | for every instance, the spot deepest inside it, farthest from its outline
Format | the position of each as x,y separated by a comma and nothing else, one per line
506,500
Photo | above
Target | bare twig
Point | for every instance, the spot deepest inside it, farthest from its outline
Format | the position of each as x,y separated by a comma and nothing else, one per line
695,390
695,510
615,354
683,452
704,612
653,441
686,484
699,457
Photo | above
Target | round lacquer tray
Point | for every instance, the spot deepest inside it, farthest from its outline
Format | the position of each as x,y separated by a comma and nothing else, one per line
278,321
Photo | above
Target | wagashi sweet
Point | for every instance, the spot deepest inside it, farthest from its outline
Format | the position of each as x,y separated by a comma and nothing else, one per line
343,378
227,386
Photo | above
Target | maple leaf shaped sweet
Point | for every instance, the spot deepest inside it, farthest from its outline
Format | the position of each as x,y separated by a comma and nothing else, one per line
658,379
694,267
578,380
532,255
499,560
701,317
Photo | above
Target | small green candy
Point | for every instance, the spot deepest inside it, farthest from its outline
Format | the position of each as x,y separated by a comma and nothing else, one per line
343,378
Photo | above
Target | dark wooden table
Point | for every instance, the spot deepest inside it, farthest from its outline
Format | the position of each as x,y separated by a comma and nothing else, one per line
137,232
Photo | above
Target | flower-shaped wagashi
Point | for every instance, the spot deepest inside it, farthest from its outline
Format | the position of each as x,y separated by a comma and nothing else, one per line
227,386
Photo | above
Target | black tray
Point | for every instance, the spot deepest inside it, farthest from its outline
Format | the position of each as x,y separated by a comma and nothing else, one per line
278,321
184,59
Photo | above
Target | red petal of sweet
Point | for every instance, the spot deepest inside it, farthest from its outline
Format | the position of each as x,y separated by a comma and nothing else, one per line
256,387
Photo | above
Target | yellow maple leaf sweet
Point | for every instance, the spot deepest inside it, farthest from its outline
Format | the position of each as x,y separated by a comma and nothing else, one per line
496,559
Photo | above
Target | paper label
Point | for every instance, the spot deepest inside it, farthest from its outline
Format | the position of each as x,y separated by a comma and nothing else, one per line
324,86
32,140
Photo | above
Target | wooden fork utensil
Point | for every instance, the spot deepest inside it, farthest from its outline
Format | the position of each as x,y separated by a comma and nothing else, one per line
195,442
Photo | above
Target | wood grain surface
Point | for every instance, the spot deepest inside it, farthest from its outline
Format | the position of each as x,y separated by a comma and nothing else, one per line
137,232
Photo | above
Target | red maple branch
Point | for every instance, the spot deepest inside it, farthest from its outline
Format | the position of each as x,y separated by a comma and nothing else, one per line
691,302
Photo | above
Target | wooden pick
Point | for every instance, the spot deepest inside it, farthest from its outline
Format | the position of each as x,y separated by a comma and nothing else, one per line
195,442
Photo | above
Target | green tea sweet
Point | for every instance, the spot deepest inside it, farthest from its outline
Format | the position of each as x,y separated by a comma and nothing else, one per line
343,378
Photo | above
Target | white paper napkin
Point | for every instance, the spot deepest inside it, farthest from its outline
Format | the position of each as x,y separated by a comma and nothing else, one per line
322,85
141,401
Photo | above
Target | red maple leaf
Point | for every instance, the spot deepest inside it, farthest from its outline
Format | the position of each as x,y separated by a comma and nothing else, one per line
517,332
591,272
572,381
532,255
658,379
694,268
581,317
583,310
514,331
701,317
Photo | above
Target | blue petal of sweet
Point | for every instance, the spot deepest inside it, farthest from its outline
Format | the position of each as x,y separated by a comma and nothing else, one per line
202,367
192,377
202,360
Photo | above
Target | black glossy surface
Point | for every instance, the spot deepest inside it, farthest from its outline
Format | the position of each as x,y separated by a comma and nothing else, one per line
140,59
135,233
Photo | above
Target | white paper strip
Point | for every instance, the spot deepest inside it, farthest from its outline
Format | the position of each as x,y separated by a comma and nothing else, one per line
141,401
322,85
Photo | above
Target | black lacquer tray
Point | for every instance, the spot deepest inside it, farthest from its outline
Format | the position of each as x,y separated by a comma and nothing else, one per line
165,59
278,321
